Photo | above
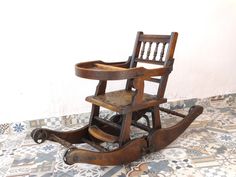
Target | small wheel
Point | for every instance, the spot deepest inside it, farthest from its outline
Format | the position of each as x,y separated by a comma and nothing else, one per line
196,109
191,109
39,135
66,158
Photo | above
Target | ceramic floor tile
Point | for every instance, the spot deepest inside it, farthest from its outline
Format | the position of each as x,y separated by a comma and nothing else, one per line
206,148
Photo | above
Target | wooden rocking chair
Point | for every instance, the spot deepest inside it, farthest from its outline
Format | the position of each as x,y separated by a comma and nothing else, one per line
130,104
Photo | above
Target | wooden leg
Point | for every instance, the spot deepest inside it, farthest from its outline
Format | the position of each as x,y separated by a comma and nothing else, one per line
156,120
101,87
94,113
125,129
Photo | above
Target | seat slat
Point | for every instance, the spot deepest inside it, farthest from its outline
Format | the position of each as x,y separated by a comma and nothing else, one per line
101,135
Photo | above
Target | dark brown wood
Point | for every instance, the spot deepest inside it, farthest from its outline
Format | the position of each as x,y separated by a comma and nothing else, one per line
129,152
160,138
121,101
156,72
163,81
125,129
109,68
138,85
136,50
131,104
149,50
90,70
162,51
63,142
139,114
141,126
154,80
95,145
101,135
158,62
143,49
73,137
156,120
154,38
155,51
168,111
106,122
101,88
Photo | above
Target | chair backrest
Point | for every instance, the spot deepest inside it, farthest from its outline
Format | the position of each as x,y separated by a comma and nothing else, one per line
154,49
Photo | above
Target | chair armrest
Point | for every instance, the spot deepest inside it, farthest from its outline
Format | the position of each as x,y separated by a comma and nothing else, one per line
157,72
138,83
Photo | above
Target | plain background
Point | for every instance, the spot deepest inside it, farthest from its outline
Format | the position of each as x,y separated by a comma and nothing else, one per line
41,41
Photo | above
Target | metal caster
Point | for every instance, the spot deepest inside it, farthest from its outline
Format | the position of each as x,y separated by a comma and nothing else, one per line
39,135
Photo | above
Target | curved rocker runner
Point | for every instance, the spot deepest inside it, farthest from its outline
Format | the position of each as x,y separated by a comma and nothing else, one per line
130,104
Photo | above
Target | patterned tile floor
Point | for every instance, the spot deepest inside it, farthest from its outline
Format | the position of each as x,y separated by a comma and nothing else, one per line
206,148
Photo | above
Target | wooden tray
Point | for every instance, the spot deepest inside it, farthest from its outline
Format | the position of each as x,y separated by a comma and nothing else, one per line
100,70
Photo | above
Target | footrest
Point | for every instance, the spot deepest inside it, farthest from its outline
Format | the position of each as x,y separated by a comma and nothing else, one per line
101,135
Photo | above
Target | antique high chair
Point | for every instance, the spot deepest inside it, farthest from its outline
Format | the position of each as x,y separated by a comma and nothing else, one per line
130,105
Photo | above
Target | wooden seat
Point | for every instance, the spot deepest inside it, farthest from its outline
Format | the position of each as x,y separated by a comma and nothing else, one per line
121,101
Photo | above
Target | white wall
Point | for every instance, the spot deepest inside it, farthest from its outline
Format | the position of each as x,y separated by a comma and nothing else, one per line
40,41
